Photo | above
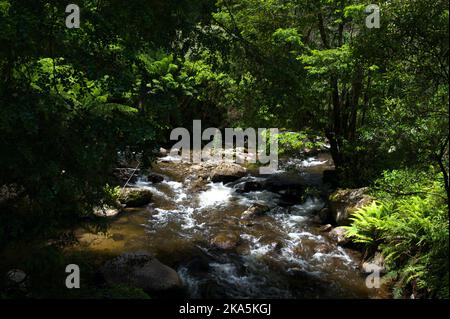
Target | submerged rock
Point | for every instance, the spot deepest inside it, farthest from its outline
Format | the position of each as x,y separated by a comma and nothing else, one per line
198,185
226,241
308,247
276,183
135,197
106,211
250,186
339,235
291,196
140,270
255,210
345,202
227,172
198,265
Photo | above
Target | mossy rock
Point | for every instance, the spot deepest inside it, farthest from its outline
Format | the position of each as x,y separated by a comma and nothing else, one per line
343,203
135,197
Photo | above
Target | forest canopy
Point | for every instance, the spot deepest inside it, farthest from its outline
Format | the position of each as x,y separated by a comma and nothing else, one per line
72,100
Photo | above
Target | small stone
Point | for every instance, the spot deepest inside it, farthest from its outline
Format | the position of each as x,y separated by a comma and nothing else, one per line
339,234
16,276
155,178
106,211
162,152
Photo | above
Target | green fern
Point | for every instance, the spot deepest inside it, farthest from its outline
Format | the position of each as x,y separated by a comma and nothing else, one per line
411,232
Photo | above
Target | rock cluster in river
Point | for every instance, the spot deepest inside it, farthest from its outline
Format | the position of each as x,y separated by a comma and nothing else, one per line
128,198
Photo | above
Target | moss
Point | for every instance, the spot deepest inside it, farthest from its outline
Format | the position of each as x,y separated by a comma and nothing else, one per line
135,198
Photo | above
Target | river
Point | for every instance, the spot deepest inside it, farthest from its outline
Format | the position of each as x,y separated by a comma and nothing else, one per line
282,254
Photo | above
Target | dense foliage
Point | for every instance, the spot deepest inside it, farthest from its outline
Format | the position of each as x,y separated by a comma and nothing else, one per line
72,100
409,225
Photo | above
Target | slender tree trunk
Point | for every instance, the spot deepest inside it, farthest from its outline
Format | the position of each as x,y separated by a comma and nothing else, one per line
440,159
356,93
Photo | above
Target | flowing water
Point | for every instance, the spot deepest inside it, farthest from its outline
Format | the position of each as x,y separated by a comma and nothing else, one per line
281,254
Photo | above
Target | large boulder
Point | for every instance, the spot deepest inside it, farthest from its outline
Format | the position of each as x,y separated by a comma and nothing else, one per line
135,197
227,172
140,270
344,203
289,186
249,186
308,247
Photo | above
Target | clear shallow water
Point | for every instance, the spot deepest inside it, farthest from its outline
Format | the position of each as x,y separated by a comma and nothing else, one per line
279,255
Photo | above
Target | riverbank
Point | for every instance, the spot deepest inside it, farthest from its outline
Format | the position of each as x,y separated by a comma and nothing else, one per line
255,236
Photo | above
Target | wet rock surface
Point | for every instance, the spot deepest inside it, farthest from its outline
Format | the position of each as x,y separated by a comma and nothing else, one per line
256,210
135,197
345,202
227,172
339,234
226,240
106,211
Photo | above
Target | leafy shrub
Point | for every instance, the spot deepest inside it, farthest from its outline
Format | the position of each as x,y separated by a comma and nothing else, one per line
409,225
293,143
